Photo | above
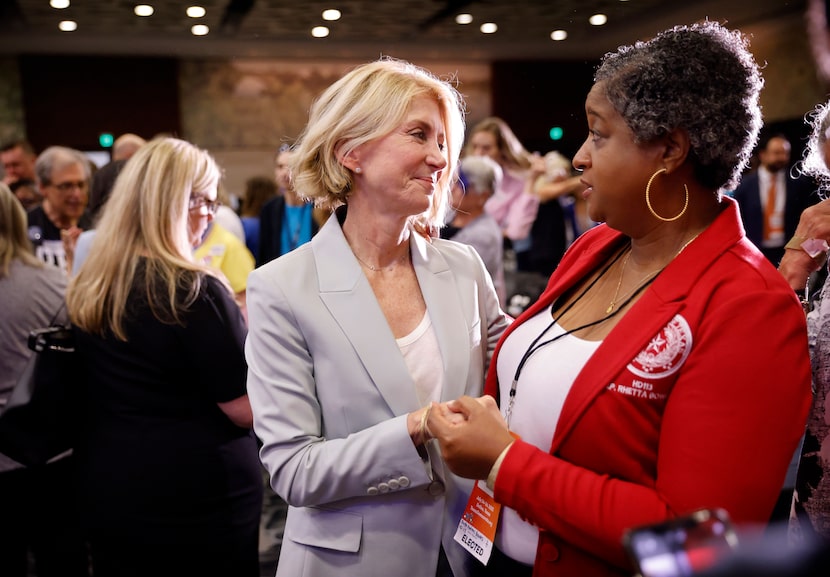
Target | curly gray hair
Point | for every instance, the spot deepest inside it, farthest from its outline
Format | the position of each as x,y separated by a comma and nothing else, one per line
699,78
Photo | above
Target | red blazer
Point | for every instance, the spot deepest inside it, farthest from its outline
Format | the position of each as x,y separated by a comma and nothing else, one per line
697,398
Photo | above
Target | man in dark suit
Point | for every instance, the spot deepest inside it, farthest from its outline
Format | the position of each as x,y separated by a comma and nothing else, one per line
771,199
285,221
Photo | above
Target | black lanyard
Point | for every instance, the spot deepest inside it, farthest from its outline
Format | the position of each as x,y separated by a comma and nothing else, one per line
536,345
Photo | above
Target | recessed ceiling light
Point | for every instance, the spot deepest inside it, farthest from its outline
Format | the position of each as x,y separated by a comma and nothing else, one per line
199,30
488,27
598,19
331,14
319,31
195,11
558,35
59,4
463,18
143,10
68,25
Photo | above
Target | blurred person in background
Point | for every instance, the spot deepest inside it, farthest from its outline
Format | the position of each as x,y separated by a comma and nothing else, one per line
63,177
39,512
478,177
258,191
18,158
513,206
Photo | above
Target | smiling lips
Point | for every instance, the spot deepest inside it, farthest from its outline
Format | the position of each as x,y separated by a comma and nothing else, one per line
428,180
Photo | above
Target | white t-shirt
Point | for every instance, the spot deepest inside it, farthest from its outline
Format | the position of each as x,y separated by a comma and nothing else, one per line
423,359
543,385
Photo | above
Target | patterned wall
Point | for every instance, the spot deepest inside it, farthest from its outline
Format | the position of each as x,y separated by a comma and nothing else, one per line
242,110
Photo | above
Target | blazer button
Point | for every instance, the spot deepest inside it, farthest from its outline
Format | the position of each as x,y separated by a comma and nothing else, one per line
548,551
394,484
372,491
436,488
403,481
383,487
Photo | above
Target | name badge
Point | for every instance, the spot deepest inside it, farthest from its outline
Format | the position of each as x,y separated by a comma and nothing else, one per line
477,527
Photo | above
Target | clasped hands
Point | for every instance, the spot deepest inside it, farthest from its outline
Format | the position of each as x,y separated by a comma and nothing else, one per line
471,432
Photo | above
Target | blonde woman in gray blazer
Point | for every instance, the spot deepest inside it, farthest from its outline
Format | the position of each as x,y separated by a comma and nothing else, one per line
354,334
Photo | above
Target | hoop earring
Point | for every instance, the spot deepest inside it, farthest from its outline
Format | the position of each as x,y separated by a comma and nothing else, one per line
648,200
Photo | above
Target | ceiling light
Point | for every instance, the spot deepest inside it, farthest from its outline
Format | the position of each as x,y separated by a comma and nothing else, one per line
558,35
195,11
331,14
598,19
463,18
59,4
319,31
199,30
68,25
143,10
488,27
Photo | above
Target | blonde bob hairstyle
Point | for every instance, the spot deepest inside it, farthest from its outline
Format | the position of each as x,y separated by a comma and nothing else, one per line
145,216
14,237
367,103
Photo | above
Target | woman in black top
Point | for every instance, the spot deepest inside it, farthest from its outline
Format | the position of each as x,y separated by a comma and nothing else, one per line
169,477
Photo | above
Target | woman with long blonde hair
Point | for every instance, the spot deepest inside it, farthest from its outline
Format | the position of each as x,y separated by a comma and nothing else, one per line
170,472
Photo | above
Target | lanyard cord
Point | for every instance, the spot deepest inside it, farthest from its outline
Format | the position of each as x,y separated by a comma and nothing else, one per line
536,345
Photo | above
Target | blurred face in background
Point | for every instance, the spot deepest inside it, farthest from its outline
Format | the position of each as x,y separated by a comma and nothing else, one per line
200,212
282,173
67,192
776,156
17,164
483,143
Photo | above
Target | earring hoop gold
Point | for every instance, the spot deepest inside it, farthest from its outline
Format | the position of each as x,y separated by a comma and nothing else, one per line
648,200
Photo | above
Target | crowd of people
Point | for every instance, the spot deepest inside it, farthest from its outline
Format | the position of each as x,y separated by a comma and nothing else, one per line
349,333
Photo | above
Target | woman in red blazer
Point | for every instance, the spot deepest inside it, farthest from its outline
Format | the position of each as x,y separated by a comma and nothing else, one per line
665,367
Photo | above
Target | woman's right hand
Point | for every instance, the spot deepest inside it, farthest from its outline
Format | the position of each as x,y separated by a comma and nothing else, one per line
472,434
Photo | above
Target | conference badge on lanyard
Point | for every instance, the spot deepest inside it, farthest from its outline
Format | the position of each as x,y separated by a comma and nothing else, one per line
477,527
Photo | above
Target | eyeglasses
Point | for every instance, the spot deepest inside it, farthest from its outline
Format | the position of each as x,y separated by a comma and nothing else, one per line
71,185
204,206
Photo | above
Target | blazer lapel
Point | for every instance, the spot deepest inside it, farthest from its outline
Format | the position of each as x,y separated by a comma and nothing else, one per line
347,295
446,312
658,305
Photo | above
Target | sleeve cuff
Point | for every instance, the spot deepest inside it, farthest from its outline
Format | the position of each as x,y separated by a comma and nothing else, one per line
494,470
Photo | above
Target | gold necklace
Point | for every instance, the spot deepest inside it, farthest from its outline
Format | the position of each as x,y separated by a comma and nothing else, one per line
645,278
400,259
613,304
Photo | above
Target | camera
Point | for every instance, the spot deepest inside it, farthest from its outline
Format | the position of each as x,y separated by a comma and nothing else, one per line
682,546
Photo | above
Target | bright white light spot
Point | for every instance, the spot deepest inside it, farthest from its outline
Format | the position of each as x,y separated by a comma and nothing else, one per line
331,15
199,30
195,11
598,19
59,4
463,18
488,27
319,31
558,35
68,25
143,10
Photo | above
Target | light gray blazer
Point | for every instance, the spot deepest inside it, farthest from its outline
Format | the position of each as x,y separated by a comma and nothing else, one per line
330,393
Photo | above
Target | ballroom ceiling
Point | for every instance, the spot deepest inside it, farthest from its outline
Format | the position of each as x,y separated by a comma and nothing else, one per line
366,28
